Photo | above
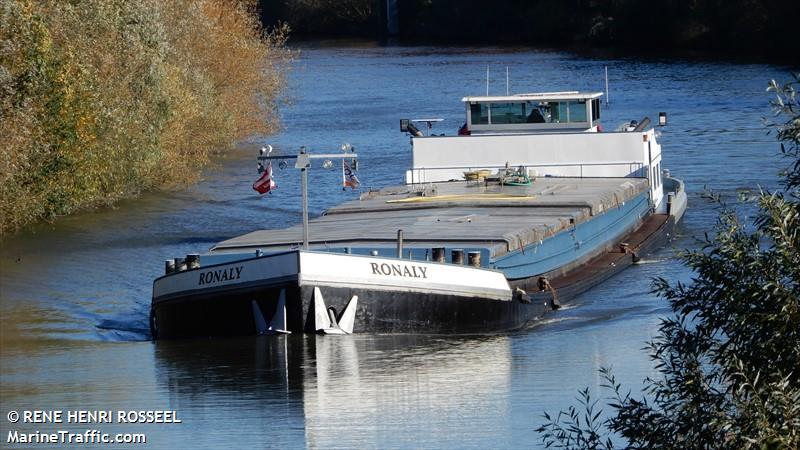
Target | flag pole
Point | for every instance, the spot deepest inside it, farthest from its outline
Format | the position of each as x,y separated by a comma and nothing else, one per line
304,189
303,162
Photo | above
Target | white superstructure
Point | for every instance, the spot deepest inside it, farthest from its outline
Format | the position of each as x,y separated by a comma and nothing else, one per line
555,134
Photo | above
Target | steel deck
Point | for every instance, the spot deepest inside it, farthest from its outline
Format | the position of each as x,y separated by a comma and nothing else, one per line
499,218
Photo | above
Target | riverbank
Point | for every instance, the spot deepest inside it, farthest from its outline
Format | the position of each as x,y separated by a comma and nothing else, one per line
104,99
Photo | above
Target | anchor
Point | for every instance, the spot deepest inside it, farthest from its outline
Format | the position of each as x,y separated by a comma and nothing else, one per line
278,323
325,320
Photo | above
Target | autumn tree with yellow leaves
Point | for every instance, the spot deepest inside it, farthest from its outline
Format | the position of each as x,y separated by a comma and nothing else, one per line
103,99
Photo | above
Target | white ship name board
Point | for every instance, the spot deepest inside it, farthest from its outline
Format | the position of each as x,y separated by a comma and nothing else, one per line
390,274
352,271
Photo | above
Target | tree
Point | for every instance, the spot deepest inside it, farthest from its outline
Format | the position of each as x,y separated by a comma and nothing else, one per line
103,99
729,357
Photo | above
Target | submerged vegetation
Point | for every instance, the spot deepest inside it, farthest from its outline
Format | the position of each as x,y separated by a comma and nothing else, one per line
102,99
728,360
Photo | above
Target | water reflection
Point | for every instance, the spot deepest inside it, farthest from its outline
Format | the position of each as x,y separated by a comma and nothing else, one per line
245,390
244,367
407,390
350,390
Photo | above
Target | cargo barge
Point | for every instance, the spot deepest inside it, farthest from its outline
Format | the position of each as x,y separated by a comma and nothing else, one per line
530,204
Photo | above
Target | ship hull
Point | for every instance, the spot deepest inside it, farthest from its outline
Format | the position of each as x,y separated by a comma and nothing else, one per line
393,296
378,311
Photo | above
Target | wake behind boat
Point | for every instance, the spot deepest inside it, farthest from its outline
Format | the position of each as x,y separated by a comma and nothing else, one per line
530,203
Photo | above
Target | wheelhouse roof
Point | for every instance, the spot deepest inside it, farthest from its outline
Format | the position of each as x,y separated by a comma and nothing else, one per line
541,96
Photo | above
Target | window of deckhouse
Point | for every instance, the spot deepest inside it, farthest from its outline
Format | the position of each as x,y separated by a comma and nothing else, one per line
577,111
505,113
479,113
595,109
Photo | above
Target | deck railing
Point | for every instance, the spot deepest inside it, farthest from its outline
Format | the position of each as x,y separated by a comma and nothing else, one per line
634,169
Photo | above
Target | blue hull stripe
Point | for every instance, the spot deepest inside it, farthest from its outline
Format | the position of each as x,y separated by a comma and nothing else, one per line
572,244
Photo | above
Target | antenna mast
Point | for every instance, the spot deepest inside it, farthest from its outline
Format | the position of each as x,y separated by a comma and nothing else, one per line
487,81
507,81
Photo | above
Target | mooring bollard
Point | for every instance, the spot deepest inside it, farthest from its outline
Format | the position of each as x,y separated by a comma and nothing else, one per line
169,266
193,260
457,255
438,254
180,264
474,259
670,202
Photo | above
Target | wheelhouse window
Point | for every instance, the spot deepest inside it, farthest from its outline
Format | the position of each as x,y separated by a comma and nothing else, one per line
504,113
577,111
558,112
595,109
571,111
479,113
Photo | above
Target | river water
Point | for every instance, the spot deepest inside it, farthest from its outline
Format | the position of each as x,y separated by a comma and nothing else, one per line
74,295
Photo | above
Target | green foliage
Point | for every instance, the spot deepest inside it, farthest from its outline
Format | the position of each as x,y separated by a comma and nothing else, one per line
101,99
786,105
580,427
729,358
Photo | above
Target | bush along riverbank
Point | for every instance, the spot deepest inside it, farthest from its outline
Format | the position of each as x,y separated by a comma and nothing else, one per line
103,99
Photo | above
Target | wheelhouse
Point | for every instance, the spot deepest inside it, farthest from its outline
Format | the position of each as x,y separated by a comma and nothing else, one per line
546,112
